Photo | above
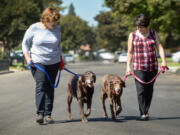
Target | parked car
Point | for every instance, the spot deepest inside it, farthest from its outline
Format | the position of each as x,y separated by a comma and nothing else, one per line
17,56
167,55
176,57
68,58
106,56
116,56
122,57
19,53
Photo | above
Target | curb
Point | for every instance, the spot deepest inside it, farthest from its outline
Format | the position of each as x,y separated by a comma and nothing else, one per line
175,70
6,72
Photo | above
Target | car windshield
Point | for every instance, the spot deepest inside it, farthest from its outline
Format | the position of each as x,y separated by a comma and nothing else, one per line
124,54
68,55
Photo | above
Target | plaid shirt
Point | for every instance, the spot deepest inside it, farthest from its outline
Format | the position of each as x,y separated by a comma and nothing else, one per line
144,58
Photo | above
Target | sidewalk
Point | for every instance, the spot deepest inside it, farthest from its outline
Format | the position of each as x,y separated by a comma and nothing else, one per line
175,70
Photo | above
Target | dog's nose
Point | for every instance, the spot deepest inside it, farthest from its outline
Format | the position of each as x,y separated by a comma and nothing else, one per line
118,90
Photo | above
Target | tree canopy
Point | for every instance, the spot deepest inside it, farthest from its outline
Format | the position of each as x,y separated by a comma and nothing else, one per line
110,31
17,15
164,14
75,31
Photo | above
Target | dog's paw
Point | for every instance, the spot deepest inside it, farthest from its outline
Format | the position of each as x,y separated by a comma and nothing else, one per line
105,115
84,120
69,117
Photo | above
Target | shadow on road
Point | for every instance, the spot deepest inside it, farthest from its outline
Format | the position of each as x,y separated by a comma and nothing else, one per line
130,117
89,120
126,118
118,120
164,118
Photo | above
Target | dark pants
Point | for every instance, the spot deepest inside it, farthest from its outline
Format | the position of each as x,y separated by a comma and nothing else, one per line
44,91
144,91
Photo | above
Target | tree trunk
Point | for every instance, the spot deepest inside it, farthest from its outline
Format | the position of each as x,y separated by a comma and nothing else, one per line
1,50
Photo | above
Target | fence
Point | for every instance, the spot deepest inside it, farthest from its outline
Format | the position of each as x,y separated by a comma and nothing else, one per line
4,65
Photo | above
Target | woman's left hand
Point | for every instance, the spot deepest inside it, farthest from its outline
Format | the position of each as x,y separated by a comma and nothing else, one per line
164,66
61,66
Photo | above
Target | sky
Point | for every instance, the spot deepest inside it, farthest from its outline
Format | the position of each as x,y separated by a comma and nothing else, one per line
85,9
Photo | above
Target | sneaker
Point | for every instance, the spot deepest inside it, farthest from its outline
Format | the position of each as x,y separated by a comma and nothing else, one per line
147,116
39,119
48,119
143,117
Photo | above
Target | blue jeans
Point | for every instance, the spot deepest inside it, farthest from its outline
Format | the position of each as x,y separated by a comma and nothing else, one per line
44,91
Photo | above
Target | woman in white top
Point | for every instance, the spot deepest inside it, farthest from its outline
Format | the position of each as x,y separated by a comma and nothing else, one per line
43,39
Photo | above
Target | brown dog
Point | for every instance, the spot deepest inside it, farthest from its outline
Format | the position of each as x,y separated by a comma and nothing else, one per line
82,88
112,87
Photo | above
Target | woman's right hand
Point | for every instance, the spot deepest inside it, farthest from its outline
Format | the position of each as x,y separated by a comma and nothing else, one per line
128,71
28,59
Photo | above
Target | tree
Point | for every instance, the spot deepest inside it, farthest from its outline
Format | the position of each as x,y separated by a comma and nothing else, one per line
71,10
75,32
42,4
16,16
110,31
164,13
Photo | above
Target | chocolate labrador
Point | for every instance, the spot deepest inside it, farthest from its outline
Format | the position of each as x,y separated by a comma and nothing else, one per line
82,88
112,88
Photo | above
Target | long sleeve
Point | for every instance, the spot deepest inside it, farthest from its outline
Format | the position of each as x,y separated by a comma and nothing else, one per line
26,43
60,49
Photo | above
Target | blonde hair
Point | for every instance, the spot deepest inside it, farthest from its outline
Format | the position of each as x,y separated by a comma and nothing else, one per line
49,15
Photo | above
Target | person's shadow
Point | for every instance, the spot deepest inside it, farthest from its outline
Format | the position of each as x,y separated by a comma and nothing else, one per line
119,119
137,118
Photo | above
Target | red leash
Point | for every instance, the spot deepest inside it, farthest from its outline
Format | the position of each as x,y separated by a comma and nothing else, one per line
162,70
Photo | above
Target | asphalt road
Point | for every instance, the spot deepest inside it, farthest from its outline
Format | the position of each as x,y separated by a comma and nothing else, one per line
17,106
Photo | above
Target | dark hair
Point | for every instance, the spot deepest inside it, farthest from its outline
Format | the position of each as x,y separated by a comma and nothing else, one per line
142,20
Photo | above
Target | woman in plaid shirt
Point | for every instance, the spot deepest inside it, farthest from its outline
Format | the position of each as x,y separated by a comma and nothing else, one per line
141,53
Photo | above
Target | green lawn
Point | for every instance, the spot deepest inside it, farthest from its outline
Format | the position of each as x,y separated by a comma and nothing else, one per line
19,66
169,63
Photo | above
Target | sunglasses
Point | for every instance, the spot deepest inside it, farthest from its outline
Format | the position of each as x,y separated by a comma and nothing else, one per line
142,27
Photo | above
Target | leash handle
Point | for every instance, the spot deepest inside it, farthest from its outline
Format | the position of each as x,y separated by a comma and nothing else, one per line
41,69
162,70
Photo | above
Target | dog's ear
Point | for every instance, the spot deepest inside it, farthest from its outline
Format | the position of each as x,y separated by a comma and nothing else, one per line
110,84
123,83
81,81
82,78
